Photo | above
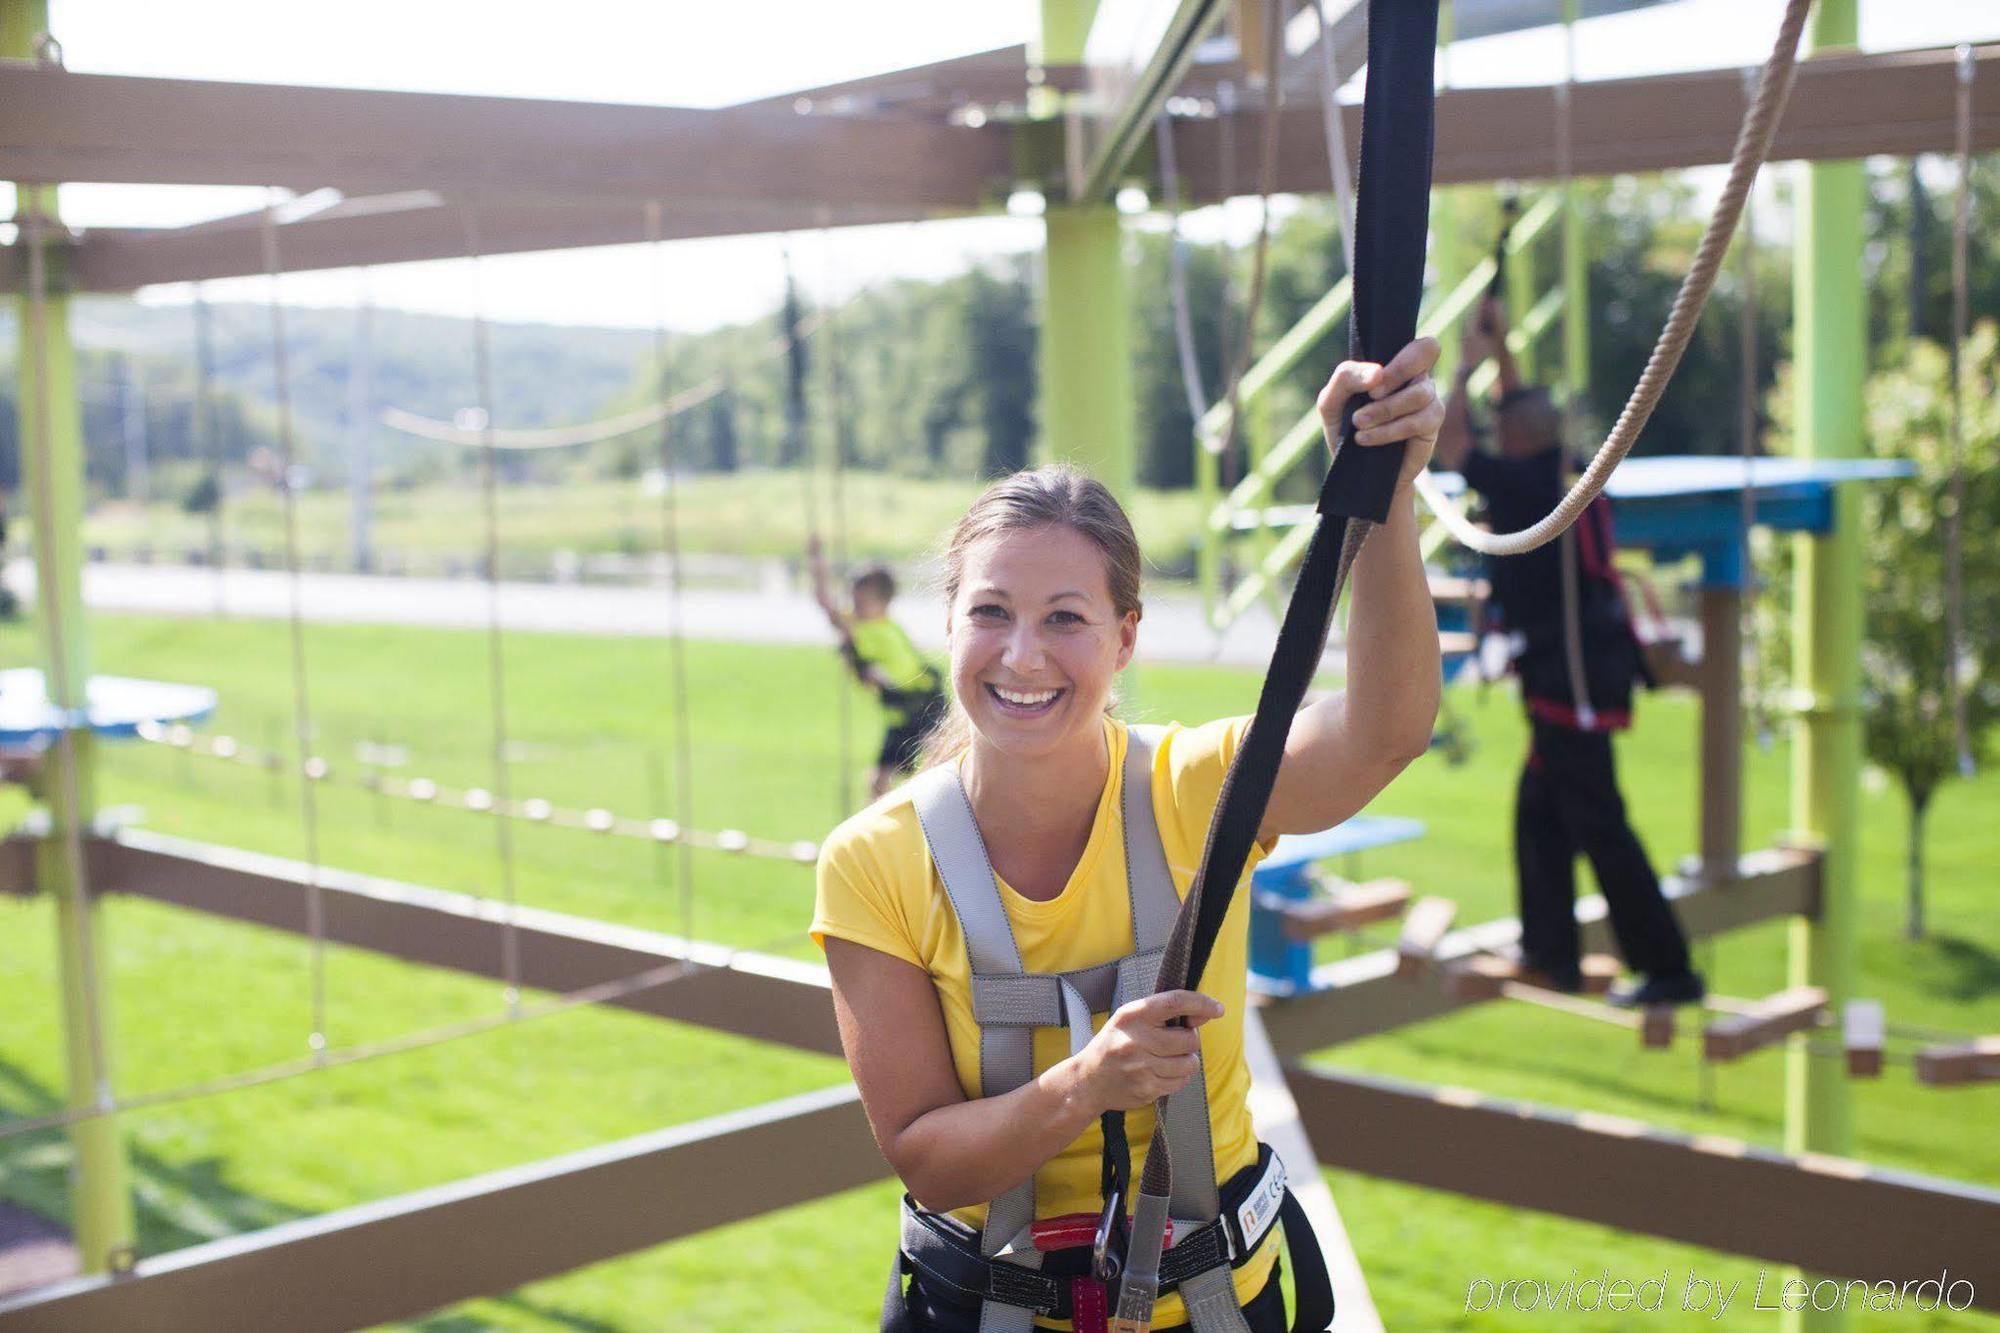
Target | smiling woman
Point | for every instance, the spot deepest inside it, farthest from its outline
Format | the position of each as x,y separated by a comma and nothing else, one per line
981,918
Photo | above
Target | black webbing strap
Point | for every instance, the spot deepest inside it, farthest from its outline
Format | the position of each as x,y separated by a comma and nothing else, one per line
1392,208
1392,216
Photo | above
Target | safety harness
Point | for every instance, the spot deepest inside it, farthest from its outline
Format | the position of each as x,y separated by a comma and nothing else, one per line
1392,218
1019,1267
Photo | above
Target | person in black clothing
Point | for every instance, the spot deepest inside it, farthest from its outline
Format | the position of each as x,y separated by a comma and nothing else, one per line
1568,800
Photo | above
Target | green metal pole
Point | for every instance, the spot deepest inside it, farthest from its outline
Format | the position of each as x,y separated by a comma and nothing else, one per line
51,435
1832,362
1086,340
1086,346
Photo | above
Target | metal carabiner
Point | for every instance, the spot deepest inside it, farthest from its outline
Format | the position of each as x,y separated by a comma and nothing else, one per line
1105,1262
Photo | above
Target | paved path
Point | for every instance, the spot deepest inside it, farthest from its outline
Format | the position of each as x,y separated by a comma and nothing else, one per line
1174,630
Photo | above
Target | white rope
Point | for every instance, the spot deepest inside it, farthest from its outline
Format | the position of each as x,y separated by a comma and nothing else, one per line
302,726
528,439
489,479
1753,143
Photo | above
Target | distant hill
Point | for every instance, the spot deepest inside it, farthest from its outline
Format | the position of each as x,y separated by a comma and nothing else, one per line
542,374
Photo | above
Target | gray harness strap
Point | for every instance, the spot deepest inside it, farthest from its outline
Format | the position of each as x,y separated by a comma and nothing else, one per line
1006,1049
1008,1003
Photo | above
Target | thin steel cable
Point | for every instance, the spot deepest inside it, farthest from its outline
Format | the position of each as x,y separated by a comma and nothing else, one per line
1567,556
1954,532
302,724
477,800
1225,102
1340,169
1746,431
799,444
1752,145
837,504
670,544
603,992
34,226
206,441
1267,184
1177,280
496,654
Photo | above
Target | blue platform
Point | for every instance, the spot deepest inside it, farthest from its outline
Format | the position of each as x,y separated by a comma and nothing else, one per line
114,706
1283,966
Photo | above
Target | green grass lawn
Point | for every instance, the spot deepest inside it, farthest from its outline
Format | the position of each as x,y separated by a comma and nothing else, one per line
194,997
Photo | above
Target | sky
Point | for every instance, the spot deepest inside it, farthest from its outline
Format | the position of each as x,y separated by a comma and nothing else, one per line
701,54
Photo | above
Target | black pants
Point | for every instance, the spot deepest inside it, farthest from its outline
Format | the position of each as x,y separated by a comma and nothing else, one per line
1569,803
943,1312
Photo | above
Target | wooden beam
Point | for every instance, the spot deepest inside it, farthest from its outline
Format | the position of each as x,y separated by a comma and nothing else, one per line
786,1000
405,1256
1486,976
1275,1116
1897,103
1361,996
123,259
1976,1061
754,995
1826,1215
96,127
1764,1023
17,866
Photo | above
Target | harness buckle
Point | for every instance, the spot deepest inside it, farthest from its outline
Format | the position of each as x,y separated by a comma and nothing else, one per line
1106,1261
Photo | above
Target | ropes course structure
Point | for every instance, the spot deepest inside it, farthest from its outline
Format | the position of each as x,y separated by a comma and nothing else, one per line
386,1261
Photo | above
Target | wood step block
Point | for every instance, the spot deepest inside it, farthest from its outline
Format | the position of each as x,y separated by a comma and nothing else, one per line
1769,1020
1346,908
1423,929
1976,1061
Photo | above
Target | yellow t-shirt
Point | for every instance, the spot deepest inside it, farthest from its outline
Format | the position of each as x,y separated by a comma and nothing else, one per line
877,887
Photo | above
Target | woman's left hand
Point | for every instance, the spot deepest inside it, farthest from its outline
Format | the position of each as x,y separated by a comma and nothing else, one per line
1404,405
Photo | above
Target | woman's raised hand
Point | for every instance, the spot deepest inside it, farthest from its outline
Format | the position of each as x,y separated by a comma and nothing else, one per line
1405,406
1136,1058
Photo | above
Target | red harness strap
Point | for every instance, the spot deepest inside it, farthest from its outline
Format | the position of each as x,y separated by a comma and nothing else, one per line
1090,1308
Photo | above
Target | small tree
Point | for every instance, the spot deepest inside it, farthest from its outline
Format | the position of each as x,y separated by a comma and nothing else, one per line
1906,662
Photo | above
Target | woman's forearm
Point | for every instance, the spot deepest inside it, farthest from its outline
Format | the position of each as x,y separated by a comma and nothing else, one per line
1393,670
974,1151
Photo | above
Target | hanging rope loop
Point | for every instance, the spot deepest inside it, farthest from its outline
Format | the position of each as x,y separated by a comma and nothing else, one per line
1753,144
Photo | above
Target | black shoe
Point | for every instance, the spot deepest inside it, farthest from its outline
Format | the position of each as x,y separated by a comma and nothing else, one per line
1682,988
1568,980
